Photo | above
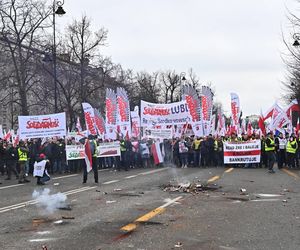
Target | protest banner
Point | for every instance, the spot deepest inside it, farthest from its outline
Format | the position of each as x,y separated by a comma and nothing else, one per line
242,152
74,152
158,133
157,114
41,126
108,149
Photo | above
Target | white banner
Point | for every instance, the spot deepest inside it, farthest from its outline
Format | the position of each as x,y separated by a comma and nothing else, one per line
242,152
76,152
109,149
156,114
89,117
1,132
42,126
158,133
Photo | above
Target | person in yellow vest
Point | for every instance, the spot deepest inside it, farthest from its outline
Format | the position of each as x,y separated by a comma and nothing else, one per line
22,159
196,151
270,151
291,149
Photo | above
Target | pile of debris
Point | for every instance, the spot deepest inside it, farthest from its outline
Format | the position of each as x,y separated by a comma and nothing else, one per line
194,188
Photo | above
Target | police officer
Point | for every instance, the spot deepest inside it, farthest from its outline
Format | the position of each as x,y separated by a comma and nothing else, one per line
270,151
22,159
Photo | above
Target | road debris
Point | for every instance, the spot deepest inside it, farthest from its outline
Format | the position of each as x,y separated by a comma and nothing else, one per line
179,244
284,201
194,188
109,202
56,184
44,248
117,189
68,217
68,208
243,191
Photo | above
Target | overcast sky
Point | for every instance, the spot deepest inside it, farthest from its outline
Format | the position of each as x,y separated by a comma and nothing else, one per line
235,45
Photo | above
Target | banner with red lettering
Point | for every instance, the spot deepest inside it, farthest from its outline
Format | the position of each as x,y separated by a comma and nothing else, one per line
89,117
111,114
123,112
158,114
242,152
235,110
207,106
41,126
194,103
100,123
135,122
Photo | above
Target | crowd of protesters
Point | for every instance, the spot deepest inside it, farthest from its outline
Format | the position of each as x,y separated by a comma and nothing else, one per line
181,152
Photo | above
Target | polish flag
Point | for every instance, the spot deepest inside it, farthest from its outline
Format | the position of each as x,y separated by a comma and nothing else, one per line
78,125
297,127
249,129
16,140
88,156
157,154
261,125
7,136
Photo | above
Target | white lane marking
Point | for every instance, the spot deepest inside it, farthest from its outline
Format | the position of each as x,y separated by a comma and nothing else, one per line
102,170
266,200
41,240
153,171
171,202
66,176
31,202
268,195
131,176
10,186
110,182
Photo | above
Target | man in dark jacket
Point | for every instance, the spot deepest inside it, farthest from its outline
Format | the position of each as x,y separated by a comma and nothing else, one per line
11,161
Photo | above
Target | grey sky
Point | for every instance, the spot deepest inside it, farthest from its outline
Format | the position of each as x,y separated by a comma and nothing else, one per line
234,44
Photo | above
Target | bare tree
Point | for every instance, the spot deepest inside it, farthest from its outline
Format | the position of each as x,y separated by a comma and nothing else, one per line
84,45
171,85
20,30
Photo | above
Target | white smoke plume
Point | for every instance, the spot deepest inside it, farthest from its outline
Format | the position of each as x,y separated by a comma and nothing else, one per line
49,202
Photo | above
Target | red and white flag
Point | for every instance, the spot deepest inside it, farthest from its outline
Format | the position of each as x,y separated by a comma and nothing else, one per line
78,125
16,139
157,153
249,129
7,135
88,156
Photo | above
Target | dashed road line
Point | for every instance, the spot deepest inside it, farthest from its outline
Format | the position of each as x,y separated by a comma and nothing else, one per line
66,176
229,170
212,179
146,217
290,173
131,176
11,186
32,202
110,182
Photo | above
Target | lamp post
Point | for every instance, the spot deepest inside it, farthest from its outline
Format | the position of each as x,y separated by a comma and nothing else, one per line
182,81
57,9
296,38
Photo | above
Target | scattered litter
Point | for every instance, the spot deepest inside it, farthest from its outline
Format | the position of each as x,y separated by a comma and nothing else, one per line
104,192
223,193
286,190
117,189
68,208
44,248
193,188
179,244
56,184
74,200
58,222
243,191
43,232
141,193
68,217
109,202
284,201
98,190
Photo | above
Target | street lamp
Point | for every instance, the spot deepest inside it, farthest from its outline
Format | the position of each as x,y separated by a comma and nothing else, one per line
182,82
57,9
296,37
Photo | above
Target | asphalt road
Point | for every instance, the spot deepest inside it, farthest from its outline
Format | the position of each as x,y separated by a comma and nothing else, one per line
131,210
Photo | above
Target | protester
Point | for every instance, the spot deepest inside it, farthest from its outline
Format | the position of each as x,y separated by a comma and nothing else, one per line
93,147
11,161
270,151
22,159
40,170
183,152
